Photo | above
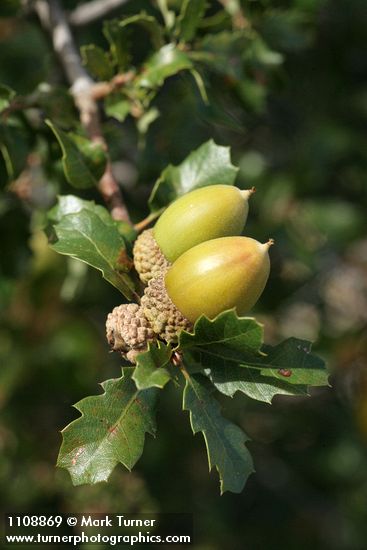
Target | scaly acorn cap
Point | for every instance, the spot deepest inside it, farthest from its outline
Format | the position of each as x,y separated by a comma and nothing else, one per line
128,330
165,319
203,214
149,261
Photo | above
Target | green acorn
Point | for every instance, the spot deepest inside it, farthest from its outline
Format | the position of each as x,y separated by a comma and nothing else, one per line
216,275
203,214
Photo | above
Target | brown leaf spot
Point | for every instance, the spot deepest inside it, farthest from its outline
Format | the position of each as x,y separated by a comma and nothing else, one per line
113,429
77,454
285,372
124,262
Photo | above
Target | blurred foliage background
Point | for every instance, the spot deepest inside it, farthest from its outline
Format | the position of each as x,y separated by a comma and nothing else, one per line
294,113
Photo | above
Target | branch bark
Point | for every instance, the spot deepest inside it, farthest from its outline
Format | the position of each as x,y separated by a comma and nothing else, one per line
92,11
53,19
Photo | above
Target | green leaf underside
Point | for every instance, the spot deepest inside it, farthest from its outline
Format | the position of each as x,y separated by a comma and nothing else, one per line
111,430
70,204
221,52
153,367
192,12
97,62
149,24
166,62
119,44
229,378
117,107
225,442
87,232
84,162
210,164
229,350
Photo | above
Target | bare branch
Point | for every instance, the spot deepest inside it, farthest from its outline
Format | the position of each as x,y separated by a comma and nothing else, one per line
92,11
110,191
53,19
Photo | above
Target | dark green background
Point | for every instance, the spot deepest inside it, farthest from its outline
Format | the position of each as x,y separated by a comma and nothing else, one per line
299,134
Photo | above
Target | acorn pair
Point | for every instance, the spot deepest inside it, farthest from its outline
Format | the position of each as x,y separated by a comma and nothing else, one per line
195,263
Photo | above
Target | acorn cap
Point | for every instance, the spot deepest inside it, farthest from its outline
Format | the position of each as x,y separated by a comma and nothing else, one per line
127,329
165,319
149,261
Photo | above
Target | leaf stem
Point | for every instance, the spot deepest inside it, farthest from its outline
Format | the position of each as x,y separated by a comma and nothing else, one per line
140,226
184,371
177,359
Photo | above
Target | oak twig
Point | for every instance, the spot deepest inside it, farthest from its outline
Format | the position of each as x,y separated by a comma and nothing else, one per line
53,19
101,90
92,11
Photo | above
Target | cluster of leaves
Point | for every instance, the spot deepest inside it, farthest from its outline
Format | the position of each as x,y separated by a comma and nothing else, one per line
225,355
194,39
188,41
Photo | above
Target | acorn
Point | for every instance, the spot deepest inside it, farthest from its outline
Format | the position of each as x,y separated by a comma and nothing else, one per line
211,277
203,214
164,317
128,331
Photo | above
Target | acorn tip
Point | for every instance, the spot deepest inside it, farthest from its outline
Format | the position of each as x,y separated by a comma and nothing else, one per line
270,242
246,193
